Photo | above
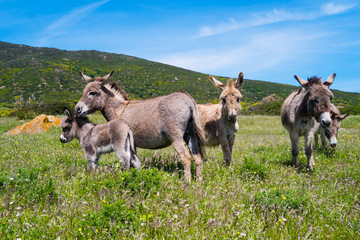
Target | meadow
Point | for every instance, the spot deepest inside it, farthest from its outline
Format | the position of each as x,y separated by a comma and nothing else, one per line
46,191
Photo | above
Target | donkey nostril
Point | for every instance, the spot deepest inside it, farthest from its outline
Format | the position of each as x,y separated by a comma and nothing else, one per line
78,109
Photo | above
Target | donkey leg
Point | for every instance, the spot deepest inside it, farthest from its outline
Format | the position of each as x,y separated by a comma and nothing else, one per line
294,137
316,140
92,161
179,146
226,151
124,158
323,140
135,161
308,150
197,158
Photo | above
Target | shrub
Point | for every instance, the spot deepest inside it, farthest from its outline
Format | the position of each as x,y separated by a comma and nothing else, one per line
282,198
251,168
138,182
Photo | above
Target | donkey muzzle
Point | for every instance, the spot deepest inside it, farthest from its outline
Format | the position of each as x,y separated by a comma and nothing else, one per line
232,118
63,139
81,109
333,142
325,120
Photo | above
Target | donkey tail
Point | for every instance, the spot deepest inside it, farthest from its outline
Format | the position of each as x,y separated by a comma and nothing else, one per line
134,159
196,133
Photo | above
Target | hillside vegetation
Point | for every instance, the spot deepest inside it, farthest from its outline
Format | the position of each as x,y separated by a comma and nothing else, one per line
51,76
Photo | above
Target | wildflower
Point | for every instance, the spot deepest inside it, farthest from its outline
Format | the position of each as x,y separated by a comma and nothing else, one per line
123,179
79,229
280,220
104,201
283,197
272,210
284,188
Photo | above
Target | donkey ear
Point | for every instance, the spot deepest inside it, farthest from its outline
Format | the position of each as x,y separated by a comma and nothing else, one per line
301,81
86,78
217,83
68,113
240,81
342,117
107,77
330,80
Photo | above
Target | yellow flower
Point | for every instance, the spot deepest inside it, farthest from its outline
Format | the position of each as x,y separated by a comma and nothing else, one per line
280,220
272,210
283,187
283,197
123,179
104,201
79,229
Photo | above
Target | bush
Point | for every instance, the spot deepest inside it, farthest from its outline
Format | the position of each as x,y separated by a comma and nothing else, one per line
142,182
282,198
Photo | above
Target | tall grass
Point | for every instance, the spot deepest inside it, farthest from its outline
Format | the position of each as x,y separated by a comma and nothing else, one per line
47,192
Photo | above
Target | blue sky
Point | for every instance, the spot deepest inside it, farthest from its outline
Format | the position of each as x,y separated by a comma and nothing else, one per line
267,40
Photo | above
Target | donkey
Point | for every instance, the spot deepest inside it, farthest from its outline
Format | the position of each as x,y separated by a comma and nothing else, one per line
304,110
219,121
156,122
96,140
331,132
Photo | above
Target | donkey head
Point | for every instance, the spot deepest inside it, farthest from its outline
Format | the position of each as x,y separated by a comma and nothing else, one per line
94,95
332,132
318,98
230,96
68,132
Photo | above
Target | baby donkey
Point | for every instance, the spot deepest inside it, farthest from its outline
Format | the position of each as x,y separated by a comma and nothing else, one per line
98,139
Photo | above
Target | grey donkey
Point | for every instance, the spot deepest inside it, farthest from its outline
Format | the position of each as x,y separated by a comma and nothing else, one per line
96,140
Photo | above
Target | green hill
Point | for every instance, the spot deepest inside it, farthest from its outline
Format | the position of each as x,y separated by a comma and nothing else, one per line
51,75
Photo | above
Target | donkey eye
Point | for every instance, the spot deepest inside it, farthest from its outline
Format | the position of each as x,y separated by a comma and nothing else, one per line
238,100
315,102
66,128
92,93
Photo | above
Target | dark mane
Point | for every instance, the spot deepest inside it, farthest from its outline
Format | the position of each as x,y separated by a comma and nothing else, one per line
314,79
120,90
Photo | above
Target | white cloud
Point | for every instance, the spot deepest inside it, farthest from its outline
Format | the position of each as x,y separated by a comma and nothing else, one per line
270,17
259,53
331,8
58,27
207,31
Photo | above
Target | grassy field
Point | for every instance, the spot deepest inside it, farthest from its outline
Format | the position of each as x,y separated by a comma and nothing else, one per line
46,191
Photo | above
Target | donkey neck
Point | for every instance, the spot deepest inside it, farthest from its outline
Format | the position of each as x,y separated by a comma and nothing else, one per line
113,108
84,128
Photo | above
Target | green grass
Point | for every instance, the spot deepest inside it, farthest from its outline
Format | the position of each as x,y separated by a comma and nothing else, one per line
46,191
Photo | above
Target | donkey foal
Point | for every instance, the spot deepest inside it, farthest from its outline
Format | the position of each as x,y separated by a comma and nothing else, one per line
219,121
98,139
331,132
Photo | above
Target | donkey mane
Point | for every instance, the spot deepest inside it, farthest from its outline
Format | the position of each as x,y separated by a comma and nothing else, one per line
314,80
118,90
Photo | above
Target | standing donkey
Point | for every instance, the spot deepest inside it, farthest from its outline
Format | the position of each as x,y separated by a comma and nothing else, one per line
304,110
99,139
331,132
156,122
219,121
